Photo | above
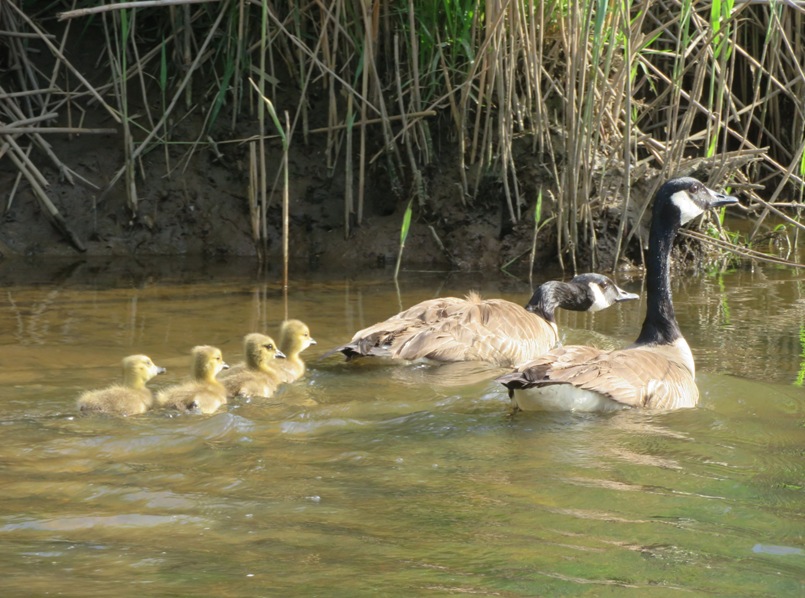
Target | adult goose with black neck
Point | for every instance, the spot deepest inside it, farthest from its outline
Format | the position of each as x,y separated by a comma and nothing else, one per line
494,331
657,371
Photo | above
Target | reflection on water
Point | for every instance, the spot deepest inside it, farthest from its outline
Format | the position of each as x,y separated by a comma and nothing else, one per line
368,478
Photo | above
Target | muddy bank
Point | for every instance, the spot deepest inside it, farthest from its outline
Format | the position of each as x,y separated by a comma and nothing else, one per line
203,210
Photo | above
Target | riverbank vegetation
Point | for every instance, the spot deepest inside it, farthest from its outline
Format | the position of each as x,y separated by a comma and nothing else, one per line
576,102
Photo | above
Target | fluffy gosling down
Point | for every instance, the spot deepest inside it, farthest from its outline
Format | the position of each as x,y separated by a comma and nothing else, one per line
257,376
203,393
130,398
294,338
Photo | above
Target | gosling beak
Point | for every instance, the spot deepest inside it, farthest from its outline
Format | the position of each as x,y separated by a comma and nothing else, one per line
161,370
225,366
279,355
313,341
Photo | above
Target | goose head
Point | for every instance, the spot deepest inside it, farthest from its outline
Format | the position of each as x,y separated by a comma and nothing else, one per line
139,369
260,350
601,292
682,199
585,292
207,362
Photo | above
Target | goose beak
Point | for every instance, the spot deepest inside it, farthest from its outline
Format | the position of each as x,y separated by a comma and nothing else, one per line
161,370
279,355
719,199
625,295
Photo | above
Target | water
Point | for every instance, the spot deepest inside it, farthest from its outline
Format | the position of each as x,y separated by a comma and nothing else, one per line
369,479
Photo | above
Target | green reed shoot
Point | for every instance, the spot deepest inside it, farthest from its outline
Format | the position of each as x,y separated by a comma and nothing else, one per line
406,225
800,381
537,220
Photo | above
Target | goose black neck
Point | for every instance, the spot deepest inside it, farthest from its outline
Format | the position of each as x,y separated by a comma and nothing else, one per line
660,325
554,293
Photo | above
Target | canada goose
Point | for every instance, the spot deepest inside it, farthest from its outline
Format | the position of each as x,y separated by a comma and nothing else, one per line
203,393
129,398
657,371
294,338
495,331
257,376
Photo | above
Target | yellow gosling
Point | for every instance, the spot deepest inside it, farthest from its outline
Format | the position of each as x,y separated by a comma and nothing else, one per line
294,338
257,376
203,394
130,398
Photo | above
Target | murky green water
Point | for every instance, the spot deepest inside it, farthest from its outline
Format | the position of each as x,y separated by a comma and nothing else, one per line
367,479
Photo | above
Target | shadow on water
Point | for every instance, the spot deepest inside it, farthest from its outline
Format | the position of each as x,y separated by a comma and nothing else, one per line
369,478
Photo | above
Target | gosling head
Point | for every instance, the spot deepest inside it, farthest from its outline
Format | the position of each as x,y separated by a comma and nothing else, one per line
207,362
260,350
295,337
139,369
684,198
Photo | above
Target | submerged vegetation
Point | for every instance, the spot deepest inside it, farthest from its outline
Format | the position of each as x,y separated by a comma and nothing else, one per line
576,103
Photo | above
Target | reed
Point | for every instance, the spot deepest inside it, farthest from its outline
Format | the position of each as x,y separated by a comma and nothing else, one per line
604,96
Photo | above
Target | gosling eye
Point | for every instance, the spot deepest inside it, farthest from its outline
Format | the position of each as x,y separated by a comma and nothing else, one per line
270,347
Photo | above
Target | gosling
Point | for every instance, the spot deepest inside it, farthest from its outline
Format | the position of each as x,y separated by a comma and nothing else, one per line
202,394
130,398
294,338
257,376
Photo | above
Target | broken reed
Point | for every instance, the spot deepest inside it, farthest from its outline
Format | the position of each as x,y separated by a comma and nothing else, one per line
598,87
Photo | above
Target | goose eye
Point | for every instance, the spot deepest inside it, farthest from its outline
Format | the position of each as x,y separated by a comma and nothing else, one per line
695,188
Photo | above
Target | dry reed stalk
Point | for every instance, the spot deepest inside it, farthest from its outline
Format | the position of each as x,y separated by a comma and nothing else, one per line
55,51
363,132
417,175
416,97
262,250
13,130
348,169
744,252
83,12
37,183
286,212
117,52
169,110
252,195
300,57
329,85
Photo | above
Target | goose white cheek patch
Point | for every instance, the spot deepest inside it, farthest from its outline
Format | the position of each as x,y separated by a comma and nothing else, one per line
599,302
688,208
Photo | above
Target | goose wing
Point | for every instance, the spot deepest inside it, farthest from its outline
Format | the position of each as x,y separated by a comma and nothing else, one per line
654,377
382,338
493,330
